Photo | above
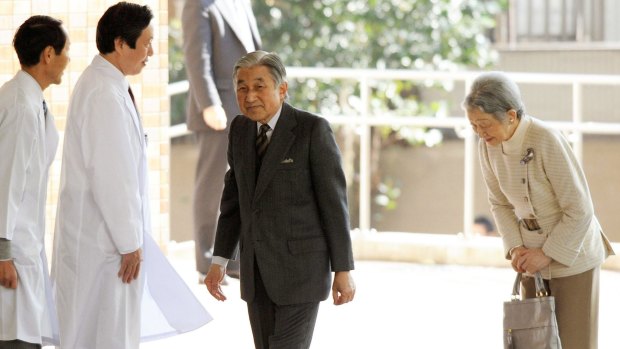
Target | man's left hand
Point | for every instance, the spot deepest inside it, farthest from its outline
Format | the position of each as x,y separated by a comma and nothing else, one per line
343,289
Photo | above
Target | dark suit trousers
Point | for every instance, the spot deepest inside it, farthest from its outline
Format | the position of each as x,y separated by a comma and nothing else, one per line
280,326
210,170
576,303
17,344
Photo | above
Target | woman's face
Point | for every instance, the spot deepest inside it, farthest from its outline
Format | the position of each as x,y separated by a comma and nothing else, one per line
487,127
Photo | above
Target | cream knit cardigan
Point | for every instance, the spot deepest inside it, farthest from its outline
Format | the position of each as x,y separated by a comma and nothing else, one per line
551,188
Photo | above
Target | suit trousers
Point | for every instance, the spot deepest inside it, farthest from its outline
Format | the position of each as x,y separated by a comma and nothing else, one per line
209,183
280,326
17,344
577,302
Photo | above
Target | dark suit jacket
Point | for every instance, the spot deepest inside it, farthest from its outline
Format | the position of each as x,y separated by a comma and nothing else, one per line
293,219
212,43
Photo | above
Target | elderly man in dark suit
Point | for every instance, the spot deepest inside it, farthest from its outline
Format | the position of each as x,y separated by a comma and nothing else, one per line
216,33
284,202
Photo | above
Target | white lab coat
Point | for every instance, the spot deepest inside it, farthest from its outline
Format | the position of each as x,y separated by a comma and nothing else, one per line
28,143
102,213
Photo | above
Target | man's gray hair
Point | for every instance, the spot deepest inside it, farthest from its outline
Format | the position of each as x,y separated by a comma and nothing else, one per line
268,59
494,93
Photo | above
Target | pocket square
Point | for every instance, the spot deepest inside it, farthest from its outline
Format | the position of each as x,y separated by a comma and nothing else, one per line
287,161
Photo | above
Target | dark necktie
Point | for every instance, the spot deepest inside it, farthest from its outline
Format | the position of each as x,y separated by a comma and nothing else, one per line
44,110
132,98
262,141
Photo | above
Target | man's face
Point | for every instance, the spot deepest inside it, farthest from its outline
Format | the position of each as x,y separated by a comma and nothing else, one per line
257,94
134,59
58,63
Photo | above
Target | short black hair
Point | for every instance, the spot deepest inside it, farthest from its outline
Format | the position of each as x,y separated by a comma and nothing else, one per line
123,20
34,35
488,225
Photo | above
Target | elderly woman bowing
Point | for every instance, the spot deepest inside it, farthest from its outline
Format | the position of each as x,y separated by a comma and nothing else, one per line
542,206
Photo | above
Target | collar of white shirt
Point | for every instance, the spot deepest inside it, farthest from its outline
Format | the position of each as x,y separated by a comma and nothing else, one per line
272,123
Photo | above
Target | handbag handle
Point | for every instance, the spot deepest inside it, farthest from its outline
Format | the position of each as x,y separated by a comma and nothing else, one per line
541,290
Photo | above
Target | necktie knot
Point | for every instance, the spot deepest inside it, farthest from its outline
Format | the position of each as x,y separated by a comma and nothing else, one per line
264,128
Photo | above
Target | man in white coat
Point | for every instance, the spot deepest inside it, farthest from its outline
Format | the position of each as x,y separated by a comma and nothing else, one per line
102,232
28,141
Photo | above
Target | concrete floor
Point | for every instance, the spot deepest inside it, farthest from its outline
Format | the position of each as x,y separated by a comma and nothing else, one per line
397,305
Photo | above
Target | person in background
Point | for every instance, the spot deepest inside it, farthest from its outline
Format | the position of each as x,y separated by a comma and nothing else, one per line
285,204
28,142
483,227
541,203
112,284
216,33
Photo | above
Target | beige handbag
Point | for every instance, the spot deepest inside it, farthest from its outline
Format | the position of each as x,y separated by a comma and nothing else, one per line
531,323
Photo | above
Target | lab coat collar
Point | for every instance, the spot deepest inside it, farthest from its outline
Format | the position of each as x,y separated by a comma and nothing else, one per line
110,70
30,85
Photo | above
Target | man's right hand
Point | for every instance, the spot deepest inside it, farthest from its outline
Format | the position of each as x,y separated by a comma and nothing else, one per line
8,274
213,281
130,266
215,117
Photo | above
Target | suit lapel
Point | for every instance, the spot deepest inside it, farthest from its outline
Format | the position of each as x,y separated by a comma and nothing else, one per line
253,26
248,155
281,141
234,20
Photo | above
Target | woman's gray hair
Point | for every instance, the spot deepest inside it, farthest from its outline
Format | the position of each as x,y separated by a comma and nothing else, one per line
268,59
494,93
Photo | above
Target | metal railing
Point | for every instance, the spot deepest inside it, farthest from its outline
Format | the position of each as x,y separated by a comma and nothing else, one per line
364,120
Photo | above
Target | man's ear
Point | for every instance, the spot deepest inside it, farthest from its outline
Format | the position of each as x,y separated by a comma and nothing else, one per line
283,89
118,44
47,55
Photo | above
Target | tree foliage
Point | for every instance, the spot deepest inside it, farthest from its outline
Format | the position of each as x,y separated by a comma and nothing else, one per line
398,34
443,35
